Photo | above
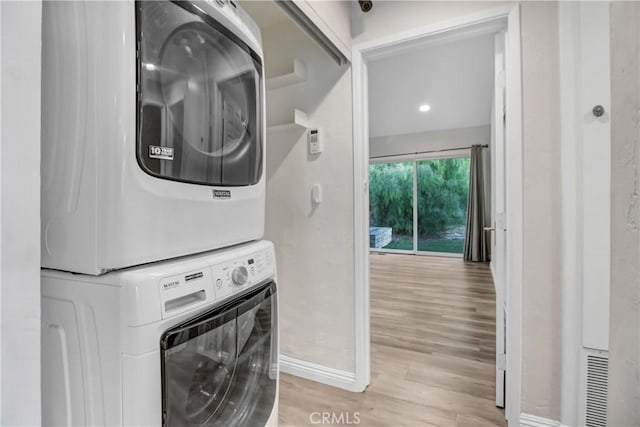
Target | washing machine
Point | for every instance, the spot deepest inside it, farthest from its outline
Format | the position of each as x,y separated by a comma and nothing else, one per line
152,131
193,341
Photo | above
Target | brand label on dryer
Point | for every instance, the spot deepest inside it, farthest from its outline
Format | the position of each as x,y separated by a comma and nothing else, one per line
157,152
221,194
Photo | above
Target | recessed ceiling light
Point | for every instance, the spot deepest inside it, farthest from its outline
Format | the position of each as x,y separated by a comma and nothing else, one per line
424,108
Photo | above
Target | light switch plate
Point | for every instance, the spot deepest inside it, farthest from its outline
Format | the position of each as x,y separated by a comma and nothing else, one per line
316,194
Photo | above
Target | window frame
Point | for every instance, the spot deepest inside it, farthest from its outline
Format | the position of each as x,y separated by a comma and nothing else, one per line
414,159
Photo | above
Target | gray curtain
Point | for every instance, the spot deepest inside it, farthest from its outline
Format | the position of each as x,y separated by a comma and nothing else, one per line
476,247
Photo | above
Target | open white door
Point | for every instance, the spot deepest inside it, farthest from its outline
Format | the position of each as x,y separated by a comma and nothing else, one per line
498,213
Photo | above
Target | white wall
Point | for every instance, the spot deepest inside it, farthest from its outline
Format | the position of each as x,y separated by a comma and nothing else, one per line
336,16
20,214
542,272
314,243
434,140
624,336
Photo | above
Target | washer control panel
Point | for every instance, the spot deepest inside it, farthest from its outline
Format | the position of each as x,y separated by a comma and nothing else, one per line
231,277
240,275
212,278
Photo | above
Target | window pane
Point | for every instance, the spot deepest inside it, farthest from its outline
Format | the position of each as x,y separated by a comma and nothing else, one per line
391,205
443,186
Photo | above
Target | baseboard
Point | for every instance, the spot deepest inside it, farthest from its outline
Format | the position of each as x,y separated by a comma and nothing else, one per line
527,420
322,374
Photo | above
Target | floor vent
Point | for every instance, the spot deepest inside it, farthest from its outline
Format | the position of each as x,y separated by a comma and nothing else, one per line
596,391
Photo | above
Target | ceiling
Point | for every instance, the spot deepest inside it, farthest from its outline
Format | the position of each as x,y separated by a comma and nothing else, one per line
455,79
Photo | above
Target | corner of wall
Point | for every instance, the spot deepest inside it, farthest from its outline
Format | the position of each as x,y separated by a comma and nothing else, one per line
21,25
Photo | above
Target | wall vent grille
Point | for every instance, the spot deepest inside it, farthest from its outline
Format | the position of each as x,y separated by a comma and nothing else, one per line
596,393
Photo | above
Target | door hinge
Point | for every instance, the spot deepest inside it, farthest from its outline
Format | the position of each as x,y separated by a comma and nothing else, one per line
501,361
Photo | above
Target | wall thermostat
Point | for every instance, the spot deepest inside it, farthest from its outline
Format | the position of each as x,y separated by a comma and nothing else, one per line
315,144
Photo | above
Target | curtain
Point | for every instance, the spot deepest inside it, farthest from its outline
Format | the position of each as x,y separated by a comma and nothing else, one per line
476,246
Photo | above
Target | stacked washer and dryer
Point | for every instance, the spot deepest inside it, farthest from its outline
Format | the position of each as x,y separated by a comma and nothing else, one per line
159,302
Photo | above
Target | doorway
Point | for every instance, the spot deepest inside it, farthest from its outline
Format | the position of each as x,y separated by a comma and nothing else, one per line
492,22
431,106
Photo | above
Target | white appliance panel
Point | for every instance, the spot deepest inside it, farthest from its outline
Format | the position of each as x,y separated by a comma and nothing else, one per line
100,210
102,341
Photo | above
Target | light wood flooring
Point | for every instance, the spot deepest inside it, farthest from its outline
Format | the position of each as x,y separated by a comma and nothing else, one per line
432,350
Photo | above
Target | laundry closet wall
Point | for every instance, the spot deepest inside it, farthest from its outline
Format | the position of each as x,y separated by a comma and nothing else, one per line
314,242
336,16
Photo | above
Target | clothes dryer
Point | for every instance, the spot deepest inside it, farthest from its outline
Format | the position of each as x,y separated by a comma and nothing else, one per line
152,131
191,342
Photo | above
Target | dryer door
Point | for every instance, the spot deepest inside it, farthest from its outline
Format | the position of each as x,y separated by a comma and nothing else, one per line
199,98
221,368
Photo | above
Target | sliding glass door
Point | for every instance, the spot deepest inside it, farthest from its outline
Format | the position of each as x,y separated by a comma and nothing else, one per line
436,222
443,187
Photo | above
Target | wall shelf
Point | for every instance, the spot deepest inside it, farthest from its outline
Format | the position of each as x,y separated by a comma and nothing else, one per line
299,121
298,74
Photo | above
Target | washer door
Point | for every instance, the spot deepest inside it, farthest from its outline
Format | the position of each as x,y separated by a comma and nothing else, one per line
221,368
199,98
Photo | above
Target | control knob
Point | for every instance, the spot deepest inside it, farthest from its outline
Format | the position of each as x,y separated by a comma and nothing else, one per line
240,275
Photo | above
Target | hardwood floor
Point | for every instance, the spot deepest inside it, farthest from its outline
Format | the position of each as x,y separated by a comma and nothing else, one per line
432,351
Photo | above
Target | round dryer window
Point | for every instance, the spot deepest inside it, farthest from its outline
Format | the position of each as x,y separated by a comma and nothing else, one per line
200,108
